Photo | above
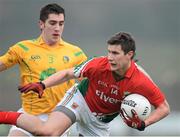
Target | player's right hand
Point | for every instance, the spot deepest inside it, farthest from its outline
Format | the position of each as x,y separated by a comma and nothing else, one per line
133,121
37,87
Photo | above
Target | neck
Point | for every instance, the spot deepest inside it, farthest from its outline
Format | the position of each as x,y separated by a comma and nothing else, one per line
117,77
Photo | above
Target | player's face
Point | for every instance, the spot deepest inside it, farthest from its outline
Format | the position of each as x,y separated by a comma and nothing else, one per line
118,60
52,28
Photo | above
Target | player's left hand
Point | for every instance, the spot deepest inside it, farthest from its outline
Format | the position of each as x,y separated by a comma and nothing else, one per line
133,121
37,87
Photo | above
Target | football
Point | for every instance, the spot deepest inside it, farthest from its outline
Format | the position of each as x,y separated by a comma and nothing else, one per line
137,102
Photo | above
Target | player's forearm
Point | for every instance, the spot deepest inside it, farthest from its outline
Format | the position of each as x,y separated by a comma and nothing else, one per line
159,113
59,78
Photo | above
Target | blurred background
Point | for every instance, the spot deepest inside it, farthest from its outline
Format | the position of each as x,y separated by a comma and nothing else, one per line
155,24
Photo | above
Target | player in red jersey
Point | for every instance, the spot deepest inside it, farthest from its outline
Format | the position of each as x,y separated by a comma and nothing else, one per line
96,100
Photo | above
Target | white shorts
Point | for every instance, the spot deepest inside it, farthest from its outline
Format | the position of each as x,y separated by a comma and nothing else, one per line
43,117
87,123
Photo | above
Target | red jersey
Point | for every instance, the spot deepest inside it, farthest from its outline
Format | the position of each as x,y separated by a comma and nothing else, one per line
104,94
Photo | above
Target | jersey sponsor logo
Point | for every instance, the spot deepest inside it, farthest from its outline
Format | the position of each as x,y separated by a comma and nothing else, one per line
129,103
106,98
35,57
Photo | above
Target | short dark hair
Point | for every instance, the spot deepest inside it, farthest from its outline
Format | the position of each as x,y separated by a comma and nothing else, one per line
49,9
125,40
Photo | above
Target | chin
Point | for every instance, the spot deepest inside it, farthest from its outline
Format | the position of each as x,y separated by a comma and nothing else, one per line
54,41
55,38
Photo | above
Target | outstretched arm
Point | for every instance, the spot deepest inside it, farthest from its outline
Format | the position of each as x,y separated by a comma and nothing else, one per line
53,80
59,77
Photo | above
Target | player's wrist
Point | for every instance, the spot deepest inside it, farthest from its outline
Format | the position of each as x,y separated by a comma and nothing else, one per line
42,84
142,126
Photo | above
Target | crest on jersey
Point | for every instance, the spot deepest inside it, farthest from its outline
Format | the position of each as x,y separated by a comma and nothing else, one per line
74,105
66,59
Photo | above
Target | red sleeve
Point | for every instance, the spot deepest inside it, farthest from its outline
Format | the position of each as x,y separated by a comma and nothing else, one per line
94,67
86,69
89,69
151,91
157,98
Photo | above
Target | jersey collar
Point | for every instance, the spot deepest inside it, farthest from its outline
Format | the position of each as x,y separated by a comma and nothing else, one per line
130,70
41,41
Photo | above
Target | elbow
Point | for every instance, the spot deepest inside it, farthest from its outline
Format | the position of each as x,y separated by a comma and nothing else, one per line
166,108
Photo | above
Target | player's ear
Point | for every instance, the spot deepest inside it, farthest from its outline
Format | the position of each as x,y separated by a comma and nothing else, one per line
41,24
130,54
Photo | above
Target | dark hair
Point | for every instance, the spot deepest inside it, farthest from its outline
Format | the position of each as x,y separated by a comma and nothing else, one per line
125,40
49,9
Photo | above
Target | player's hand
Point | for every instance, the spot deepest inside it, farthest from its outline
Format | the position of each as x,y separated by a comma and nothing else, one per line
37,87
133,122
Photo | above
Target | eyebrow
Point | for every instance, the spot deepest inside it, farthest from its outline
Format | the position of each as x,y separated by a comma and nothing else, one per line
55,21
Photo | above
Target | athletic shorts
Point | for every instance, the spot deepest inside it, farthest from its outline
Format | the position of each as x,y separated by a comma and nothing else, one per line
43,117
87,123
